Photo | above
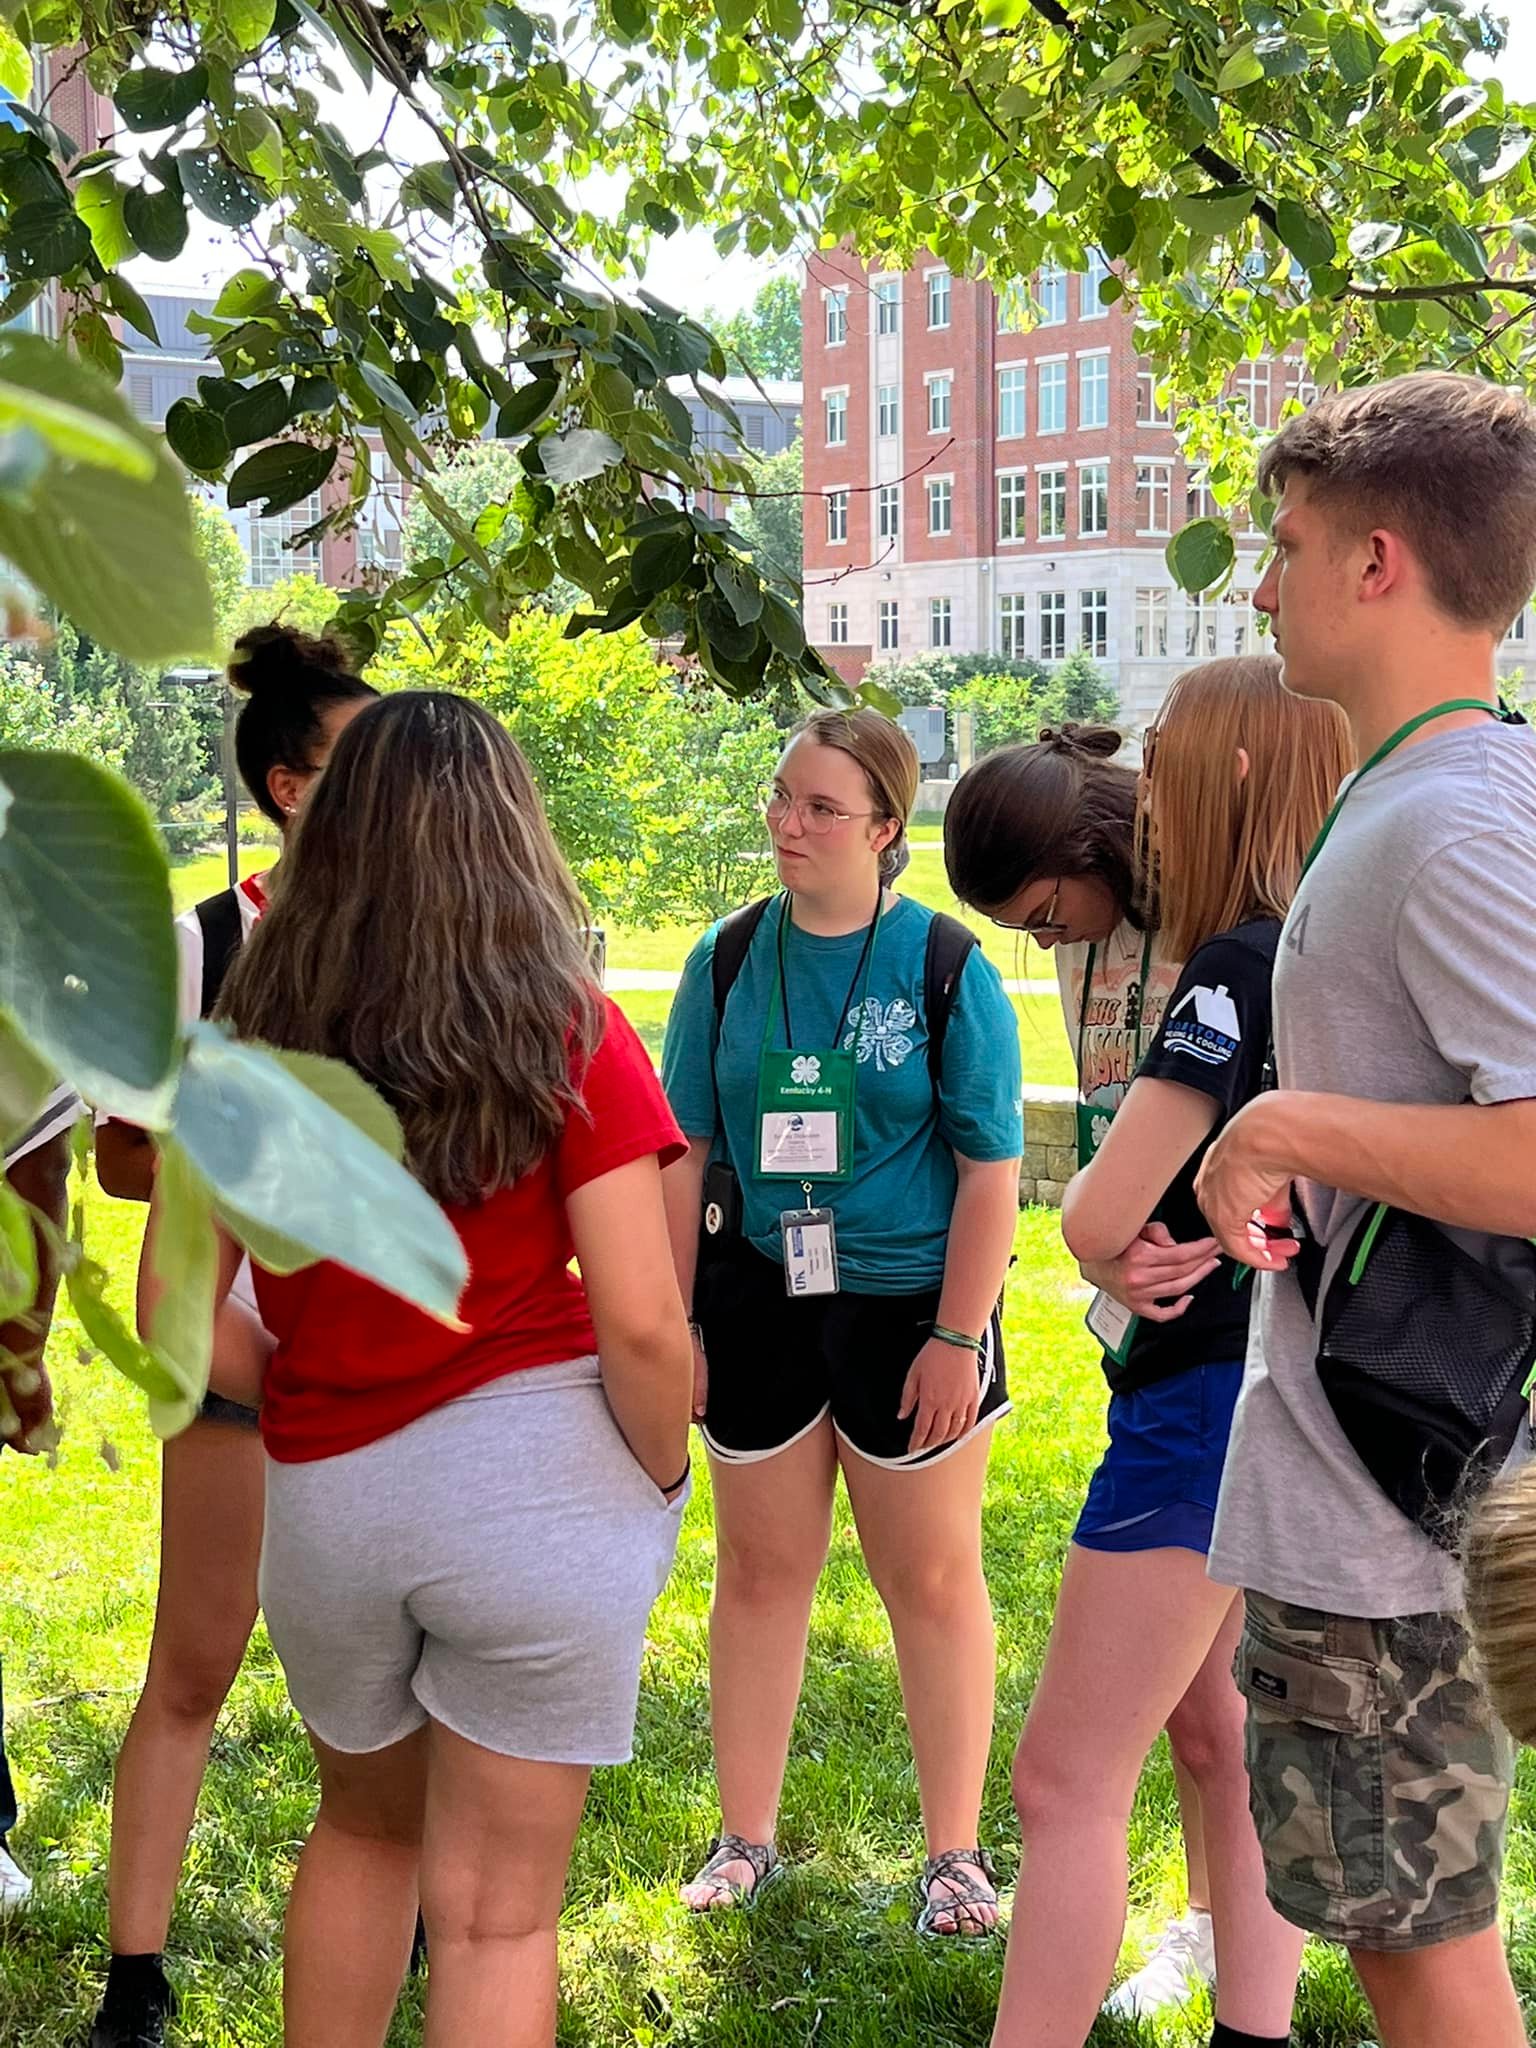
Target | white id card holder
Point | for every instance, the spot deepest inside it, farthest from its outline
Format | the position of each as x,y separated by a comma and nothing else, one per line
1113,1324
809,1238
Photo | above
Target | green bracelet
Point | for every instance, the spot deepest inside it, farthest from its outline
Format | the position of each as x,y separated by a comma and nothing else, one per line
958,1338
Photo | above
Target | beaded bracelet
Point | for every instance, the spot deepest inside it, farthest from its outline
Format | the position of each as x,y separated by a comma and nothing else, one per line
958,1338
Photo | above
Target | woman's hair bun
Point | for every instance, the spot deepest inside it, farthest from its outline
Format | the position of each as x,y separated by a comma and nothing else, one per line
278,658
1099,740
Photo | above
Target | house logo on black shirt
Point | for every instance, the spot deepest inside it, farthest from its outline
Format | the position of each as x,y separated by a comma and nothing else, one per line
1211,1034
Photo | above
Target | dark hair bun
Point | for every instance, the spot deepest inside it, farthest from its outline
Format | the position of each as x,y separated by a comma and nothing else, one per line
275,659
1098,740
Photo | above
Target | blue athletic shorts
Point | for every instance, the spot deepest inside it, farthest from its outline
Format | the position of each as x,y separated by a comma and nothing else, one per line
1156,1485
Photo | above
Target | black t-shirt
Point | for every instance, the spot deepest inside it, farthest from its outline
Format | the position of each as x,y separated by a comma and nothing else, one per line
1214,1036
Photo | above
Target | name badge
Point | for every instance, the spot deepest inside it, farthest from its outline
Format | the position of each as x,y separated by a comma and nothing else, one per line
805,1115
1113,1324
802,1142
809,1239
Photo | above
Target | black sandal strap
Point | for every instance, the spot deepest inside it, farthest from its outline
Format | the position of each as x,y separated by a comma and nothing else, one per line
762,1857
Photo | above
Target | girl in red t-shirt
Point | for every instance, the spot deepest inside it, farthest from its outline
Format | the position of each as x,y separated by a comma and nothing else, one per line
466,1528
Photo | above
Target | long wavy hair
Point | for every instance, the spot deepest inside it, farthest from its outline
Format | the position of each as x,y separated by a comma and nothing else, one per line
425,929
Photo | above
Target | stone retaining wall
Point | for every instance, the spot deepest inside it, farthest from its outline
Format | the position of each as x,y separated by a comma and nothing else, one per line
1050,1145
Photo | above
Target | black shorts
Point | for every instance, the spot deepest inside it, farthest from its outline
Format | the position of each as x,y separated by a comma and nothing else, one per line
777,1366
219,1408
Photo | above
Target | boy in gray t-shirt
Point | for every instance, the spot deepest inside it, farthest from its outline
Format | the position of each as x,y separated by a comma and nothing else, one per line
1405,1029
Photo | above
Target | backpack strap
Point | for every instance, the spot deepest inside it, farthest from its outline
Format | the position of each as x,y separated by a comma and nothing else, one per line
219,919
950,945
733,942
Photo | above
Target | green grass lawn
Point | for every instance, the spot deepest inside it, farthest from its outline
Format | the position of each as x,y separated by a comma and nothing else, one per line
828,1958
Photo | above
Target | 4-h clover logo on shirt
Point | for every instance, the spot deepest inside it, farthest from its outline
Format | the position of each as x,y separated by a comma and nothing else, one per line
880,1032
805,1070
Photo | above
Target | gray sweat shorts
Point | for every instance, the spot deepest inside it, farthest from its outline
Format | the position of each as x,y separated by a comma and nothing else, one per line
492,1566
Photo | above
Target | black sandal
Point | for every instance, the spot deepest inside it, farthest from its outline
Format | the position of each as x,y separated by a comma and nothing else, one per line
965,1893
763,1858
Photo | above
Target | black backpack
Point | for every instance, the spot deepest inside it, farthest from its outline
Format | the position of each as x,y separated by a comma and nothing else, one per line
219,917
950,945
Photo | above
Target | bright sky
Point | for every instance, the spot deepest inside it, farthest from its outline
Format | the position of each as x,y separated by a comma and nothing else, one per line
688,271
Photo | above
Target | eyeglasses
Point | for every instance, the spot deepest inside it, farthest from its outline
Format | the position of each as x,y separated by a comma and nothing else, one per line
814,814
1035,926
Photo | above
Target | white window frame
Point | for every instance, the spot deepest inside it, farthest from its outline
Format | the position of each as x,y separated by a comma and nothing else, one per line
837,518
1253,386
837,625
1047,386
835,407
1098,472
1093,605
1013,624
888,512
940,387
1051,478
941,622
1201,628
1018,389
887,411
1089,304
1244,624
1148,412
1013,309
1012,507
1052,608
1085,383
1199,502
941,492
888,624
1154,481
938,290
835,303
1051,294
887,305
1151,638
273,559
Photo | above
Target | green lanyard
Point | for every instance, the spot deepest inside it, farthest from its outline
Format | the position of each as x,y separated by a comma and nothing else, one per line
1389,746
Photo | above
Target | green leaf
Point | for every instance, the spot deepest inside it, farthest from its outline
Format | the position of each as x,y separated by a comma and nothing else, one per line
348,1094
157,221
86,1285
1459,103
25,1082
72,432
126,300
151,99
387,391
259,142
18,1255
1118,72
197,436
631,18
246,1122
1243,67
1353,51
1309,239
258,414
115,552
582,452
431,188
528,404
743,591
249,21
99,203
184,1257
1200,554
46,237
15,63
88,958
1397,317
1198,101
660,561
281,474
782,627
1463,248
248,294
1216,212
218,189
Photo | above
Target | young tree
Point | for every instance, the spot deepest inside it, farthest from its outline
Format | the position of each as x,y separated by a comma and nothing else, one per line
765,339
773,523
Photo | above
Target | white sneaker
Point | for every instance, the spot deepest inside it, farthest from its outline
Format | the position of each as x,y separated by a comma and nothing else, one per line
15,1885
1184,1959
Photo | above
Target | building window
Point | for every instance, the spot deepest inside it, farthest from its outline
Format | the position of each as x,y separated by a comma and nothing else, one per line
1012,490
1093,622
941,504
837,419
1199,628
888,511
1093,500
888,411
273,556
1089,305
1011,401
381,525
1012,309
1150,410
837,625
1010,626
1252,387
938,404
888,305
940,621
1051,295
938,298
837,515
755,424
837,318
1052,523
1093,391
1198,502
1053,625
1151,625
1051,398
1299,388
890,625
1241,604
1154,496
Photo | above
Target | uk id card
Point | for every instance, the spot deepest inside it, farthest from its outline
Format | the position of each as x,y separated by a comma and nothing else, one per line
809,1237
1113,1324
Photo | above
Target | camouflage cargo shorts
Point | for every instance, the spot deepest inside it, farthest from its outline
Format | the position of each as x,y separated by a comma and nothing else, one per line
1378,1776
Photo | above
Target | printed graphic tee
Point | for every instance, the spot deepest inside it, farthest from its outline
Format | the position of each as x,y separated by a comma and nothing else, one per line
1122,1016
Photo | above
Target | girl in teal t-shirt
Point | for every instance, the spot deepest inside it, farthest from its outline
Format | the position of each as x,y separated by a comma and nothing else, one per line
850,1322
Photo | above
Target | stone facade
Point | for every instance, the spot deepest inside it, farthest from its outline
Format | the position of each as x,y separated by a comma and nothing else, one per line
1050,1145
